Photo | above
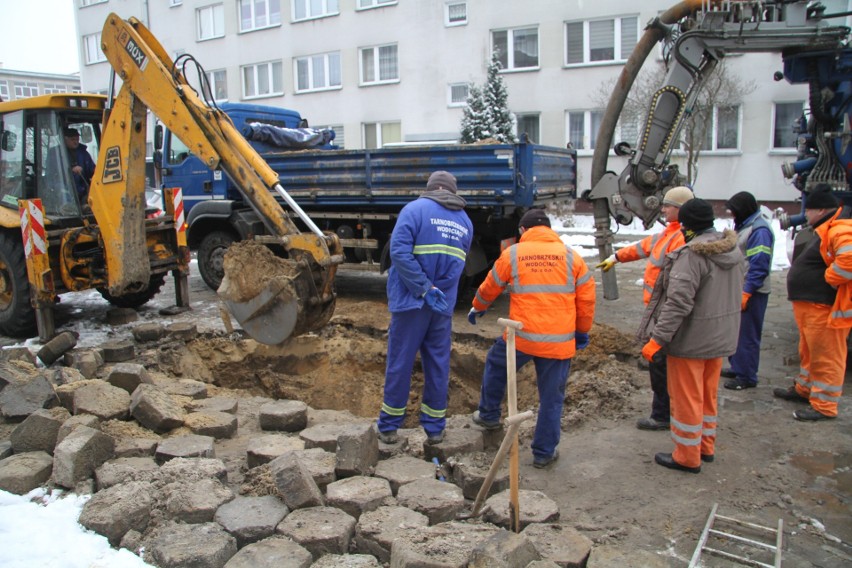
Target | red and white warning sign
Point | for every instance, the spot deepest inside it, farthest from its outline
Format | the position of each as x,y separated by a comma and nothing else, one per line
32,227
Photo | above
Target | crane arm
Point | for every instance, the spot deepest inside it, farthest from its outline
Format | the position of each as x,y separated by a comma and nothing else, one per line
712,29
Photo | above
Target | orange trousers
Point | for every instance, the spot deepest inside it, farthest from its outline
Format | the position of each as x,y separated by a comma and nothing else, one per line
693,389
822,357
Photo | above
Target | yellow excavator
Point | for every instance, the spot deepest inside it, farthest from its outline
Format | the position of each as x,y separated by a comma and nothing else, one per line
62,232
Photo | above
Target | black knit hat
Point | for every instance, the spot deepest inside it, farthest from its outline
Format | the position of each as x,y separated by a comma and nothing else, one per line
743,205
696,215
441,180
534,218
821,197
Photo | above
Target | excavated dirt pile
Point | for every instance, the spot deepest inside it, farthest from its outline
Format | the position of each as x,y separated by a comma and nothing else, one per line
342,368
249,267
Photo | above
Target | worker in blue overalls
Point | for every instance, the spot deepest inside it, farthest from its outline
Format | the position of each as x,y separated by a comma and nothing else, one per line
428,247
756,241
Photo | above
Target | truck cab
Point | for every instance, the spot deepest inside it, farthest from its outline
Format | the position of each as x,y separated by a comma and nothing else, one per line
181,169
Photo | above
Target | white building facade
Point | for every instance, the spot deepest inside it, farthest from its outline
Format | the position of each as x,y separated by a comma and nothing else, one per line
396,71
23,84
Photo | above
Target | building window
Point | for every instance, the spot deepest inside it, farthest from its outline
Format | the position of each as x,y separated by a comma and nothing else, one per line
49,89
259,14
318,72
523,53
26,89
92,45
378,134
455,13
582,128
84,3
211,22
600,40
723,132
528,123
309,9
379,64
4,90
785,114
458,94
173,3
262,80
364,4
218,81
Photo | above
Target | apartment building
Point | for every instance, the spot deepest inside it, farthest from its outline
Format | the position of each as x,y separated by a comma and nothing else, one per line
396,71
23,84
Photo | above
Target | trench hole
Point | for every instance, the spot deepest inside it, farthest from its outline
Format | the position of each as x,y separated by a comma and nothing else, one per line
342,368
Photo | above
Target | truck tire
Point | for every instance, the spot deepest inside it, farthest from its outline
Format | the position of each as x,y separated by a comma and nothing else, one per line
211,252
136,299
17,316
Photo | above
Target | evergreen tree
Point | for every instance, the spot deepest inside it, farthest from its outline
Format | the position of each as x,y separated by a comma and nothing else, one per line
474,125
496,103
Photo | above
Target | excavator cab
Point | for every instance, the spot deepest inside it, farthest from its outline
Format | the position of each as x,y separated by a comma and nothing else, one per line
35,162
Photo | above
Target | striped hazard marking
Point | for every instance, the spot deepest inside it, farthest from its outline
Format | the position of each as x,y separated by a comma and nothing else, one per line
180,219
32,227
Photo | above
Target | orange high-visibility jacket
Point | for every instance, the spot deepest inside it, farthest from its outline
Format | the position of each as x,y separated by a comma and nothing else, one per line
552,293
836,250
654,248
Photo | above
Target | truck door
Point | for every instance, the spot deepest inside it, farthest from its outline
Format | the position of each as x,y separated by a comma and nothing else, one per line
182,169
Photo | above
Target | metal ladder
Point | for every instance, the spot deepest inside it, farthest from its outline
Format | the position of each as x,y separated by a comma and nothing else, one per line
709,531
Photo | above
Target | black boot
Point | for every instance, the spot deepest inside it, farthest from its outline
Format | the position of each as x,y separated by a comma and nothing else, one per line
666,460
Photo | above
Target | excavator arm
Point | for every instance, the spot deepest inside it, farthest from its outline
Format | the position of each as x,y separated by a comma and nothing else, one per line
710,30
150,79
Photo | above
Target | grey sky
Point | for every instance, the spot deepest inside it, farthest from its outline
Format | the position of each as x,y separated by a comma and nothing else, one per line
38,35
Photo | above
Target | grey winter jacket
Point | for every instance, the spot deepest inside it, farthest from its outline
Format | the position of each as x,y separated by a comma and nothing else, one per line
694,311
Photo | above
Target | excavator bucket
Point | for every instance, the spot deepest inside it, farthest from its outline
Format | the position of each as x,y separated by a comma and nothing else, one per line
270,316
272,298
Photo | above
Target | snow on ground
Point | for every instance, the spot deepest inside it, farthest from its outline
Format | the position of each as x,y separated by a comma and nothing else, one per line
579,234
41,529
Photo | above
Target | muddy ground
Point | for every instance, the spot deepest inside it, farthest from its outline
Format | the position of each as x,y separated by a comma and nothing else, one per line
768,467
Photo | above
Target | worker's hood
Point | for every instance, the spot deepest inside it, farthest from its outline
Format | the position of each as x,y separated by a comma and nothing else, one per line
446,198
720,248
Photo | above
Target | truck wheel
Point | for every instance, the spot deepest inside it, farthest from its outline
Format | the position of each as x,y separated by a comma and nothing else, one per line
211,255
136,299
17,316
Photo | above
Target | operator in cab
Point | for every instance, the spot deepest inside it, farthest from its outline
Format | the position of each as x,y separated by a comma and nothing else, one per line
82,164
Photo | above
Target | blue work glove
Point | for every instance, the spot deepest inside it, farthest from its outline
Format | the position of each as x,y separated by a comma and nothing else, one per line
473,314
581,340
436,300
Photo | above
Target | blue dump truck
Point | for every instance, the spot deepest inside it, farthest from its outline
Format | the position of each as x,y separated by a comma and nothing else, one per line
358,194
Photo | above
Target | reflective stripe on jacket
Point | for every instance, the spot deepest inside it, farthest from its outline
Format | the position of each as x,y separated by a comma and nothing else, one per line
654,248
552,293
428,247
756,241
836,250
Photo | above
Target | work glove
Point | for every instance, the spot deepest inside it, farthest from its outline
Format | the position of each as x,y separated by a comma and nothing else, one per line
473,314
581,340
744,303
436,300
650,350
607,264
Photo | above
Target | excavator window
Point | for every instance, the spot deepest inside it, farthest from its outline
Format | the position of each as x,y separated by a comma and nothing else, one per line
12,171
55,184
